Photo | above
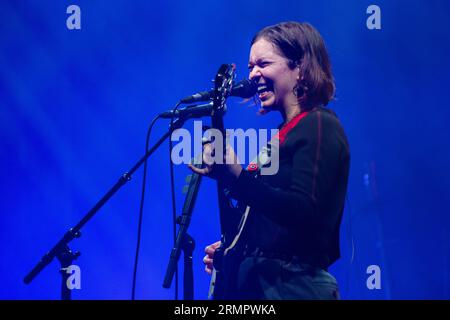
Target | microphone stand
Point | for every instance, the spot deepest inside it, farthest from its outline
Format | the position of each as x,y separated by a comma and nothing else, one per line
188,275
184,242
61,249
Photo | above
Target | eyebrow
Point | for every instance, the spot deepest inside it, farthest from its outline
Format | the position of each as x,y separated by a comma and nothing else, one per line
259,60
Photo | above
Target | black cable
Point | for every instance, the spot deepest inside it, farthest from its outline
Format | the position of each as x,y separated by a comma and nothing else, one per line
172,189
141,209
351,239
350,230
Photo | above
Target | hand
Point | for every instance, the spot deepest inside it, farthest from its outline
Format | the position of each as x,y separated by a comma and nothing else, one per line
228,172
208,259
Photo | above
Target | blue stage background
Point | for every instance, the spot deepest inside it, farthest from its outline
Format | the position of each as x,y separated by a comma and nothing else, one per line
75,106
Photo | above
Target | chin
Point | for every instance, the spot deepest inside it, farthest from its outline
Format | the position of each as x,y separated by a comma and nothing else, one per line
268,106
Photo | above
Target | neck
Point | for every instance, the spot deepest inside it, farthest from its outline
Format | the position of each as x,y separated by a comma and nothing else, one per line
290,112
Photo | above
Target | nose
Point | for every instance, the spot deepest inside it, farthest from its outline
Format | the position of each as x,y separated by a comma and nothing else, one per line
255,74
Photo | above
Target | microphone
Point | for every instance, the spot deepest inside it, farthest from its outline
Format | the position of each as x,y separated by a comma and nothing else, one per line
195,111
243,89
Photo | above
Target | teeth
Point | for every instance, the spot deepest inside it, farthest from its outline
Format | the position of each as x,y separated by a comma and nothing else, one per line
262,88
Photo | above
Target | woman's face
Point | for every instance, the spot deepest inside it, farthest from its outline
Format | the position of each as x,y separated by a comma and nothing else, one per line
270,70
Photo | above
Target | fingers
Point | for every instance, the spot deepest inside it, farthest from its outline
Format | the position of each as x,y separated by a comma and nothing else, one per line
208,154
208,264
208,259
209,250
202,171
208,270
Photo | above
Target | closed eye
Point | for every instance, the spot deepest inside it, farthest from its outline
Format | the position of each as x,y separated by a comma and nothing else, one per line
260,64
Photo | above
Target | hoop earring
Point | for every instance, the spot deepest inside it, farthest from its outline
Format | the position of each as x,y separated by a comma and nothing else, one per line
300,91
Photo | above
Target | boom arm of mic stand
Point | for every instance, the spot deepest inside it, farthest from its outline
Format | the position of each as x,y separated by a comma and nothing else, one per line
62,245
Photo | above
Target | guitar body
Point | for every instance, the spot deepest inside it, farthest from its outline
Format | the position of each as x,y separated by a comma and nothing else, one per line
224,281
224,277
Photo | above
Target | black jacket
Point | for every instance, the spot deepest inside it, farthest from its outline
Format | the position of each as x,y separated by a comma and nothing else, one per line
299,209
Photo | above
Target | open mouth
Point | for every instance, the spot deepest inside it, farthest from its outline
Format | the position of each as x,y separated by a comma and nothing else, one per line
263,88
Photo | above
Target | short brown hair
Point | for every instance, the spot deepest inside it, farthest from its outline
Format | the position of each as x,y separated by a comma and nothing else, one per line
304,47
